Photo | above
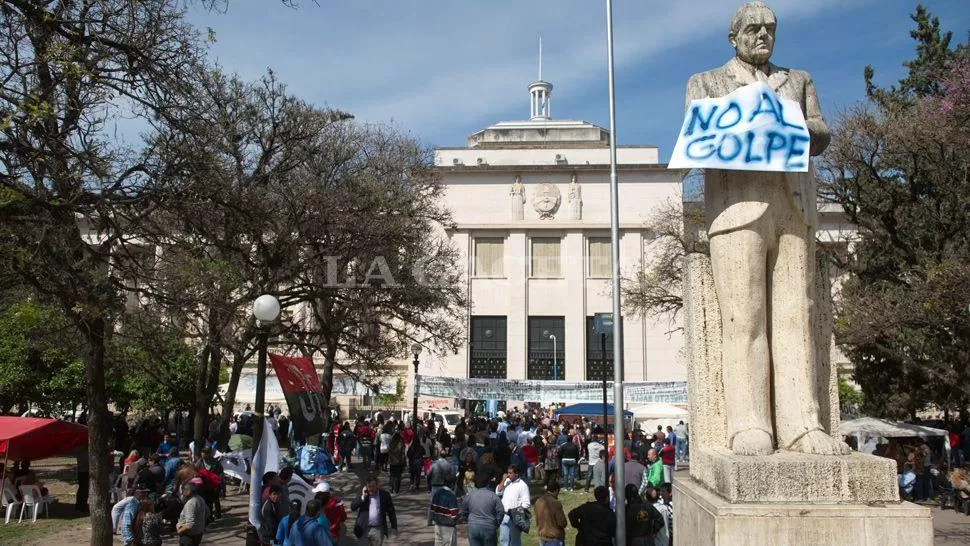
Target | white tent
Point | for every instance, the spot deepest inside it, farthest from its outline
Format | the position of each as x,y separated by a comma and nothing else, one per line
871,428
652,415
887,429
246,391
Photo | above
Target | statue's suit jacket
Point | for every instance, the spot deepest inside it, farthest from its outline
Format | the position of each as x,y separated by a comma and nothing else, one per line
729,194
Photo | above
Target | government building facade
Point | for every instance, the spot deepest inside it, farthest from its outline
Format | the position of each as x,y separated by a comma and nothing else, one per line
531,206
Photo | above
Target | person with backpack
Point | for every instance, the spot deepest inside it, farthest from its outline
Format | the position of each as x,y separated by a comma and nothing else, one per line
365,438
210,470
551,463
569,462
346,442
331,509
396,461
415,456
643,521
285,527
308,531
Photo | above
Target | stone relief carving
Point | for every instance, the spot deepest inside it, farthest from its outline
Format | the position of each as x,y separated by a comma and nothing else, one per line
517,197
546,200
575,200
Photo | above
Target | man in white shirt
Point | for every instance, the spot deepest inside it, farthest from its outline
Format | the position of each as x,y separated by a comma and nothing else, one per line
515,496
526,436
596,474
681,442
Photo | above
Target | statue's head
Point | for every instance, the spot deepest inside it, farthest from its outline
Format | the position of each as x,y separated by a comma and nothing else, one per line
752,32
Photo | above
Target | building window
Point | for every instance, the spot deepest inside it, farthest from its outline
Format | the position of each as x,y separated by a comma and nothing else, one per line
489,256
488,348
600,257
599,363
545,257
547,348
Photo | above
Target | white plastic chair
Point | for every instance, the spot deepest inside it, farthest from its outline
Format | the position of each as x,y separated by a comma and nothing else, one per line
119,490
9,499
33,499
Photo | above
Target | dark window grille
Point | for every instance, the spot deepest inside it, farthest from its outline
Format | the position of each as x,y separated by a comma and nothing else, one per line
541,363
599,365
489,353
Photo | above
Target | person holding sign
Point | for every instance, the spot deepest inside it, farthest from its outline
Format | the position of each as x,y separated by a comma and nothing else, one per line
761,229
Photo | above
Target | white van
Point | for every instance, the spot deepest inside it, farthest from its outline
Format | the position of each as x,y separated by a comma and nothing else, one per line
448,418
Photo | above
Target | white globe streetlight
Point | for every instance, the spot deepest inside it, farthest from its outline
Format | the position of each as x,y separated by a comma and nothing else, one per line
266,309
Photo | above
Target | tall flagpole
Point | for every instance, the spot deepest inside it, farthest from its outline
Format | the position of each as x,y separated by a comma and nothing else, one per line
618,457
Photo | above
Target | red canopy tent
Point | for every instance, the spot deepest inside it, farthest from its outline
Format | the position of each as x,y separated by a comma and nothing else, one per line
31,438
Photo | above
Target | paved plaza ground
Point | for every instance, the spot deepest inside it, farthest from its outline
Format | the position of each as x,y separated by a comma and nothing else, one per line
65,528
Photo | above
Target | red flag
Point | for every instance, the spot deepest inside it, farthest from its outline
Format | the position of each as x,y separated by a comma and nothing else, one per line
301,387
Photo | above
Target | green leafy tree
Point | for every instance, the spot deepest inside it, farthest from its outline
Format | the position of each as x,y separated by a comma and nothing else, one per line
39,366
69,191
899,167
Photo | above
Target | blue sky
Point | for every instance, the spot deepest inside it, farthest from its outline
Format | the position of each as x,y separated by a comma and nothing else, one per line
442,70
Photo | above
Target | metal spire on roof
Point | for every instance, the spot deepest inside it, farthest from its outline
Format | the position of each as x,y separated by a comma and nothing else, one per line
540,92
540,56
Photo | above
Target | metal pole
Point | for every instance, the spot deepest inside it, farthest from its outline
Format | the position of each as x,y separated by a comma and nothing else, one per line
617,319
414,414
605,411
263,339
555,358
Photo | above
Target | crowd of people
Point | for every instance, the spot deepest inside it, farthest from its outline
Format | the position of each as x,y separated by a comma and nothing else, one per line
484,472
926,469
500,477
167,494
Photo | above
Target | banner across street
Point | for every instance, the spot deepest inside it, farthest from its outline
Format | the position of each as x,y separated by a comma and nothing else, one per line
635,392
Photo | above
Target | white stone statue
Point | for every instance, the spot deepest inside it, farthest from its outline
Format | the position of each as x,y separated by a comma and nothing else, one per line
517,196
762,233
575,200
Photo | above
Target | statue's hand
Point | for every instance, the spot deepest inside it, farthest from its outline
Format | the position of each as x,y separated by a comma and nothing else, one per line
820,136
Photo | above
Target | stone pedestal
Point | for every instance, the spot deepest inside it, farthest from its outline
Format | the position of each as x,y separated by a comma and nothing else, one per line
787,477
703,518
784,498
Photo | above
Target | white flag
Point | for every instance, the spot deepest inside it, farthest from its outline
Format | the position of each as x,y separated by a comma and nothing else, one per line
266,459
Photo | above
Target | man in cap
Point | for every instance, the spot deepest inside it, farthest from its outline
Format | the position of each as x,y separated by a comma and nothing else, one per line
191,521
123,512
332,507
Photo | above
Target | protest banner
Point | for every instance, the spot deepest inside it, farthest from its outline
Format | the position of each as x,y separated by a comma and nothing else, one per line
750,129
645,392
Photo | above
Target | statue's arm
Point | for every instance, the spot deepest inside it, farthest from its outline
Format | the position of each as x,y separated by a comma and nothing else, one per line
695,90
817,129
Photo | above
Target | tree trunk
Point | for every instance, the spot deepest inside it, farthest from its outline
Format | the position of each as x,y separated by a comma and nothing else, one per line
326,375
229,400
200,404
212,385
98,435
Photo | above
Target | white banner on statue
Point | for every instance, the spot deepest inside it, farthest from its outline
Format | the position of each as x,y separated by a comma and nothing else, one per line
750,129
634,392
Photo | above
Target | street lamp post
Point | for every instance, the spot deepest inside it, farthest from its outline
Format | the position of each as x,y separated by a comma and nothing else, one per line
555,357
416,351
266,309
